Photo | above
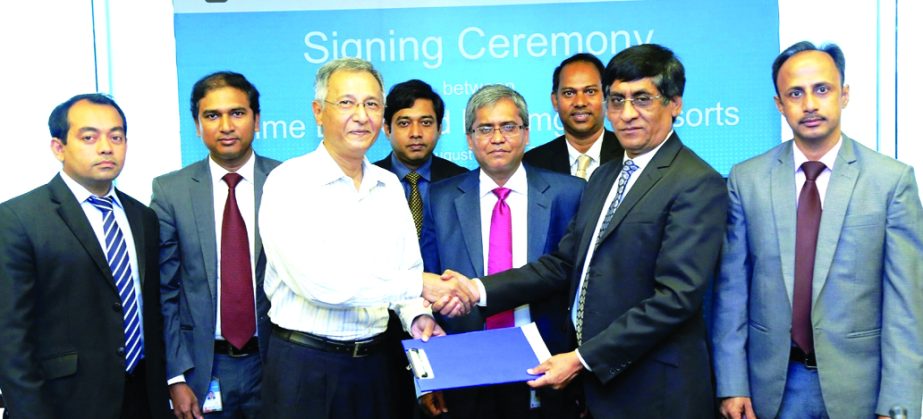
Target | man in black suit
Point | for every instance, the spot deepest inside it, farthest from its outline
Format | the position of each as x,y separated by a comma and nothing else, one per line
577,96
413,122
636,259
74,340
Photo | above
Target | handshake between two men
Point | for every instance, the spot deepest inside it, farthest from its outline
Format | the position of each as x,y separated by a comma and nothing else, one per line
451,294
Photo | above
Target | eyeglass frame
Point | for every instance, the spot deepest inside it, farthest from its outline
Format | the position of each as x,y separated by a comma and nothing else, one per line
642,97
355,106
498,128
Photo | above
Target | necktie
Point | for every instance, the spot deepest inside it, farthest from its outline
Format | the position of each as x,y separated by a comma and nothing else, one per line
500,251
415,201
238,321
120,265
628,168
809,212
583,163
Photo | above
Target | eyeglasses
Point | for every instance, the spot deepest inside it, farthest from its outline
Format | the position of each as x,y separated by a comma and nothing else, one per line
350,105
506,130
617,103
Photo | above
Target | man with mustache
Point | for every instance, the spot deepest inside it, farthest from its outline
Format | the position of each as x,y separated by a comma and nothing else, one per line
211,278
471,214
818,306
577,95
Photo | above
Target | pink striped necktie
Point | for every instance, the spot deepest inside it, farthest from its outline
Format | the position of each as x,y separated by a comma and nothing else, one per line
500,251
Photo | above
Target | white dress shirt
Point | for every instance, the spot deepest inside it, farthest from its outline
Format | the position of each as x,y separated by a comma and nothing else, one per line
592,153
95,217
518,201
823,179
246,202
338,257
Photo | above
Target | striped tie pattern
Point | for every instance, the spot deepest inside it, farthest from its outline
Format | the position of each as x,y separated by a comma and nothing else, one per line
119,264
628,168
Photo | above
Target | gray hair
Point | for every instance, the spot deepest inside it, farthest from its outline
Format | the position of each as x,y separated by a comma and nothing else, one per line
322,79
489,95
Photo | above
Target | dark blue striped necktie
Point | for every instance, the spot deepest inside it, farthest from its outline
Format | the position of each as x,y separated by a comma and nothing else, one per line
120,265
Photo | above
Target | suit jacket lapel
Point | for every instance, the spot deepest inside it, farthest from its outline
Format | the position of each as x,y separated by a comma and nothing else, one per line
468,210
538,214
649,177
201,196
72,214
611,149
136,223
785,213
836,200
260,171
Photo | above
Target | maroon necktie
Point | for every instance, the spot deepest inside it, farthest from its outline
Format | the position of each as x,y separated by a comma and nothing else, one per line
238,321
809,211
500,251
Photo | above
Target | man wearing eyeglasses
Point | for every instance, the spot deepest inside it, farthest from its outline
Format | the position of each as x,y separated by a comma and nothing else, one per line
341,250
503,215
578,97
636,260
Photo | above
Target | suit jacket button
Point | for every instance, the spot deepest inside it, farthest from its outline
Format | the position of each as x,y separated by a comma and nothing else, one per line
121,351
117,307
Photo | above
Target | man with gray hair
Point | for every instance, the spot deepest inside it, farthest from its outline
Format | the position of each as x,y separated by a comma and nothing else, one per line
335,266
489,220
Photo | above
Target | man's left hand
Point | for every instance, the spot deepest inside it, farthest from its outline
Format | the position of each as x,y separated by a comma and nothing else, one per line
559,370
425,326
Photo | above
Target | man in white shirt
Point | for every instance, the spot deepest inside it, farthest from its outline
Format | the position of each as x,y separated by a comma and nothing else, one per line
532,207
341,249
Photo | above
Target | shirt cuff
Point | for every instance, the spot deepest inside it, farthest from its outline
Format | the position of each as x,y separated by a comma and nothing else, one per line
482,292
582,361
409,310
178,379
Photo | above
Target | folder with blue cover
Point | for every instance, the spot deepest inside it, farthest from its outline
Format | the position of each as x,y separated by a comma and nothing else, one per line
479,358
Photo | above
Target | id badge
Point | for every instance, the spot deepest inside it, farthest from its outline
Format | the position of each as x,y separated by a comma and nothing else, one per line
213,397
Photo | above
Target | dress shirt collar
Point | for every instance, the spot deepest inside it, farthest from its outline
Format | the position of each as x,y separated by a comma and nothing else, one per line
425,170
593,152
828,159
82,194
245,171
517,183
329,171
643,159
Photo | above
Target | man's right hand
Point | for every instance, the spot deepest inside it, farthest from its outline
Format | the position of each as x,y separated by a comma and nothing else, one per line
451,295
185,403
433,404
737,408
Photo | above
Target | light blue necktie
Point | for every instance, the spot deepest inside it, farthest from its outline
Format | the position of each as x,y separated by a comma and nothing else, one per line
120,265
628,168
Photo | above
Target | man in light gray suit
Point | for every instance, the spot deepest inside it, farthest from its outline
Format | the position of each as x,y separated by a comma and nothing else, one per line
211,258
818,306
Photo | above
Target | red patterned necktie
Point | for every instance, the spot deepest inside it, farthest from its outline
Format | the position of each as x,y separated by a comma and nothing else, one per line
238,319
809,211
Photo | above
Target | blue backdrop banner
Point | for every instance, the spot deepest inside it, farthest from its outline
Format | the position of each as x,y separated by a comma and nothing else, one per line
726,46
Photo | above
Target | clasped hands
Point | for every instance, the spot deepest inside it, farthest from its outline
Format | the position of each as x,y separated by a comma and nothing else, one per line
450,294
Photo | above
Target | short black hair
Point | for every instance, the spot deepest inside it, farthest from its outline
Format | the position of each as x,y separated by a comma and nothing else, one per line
403,95
581,57
647,60
57,121
833,50
223,79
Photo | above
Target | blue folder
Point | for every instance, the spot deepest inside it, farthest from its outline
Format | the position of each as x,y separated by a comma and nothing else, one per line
476,358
